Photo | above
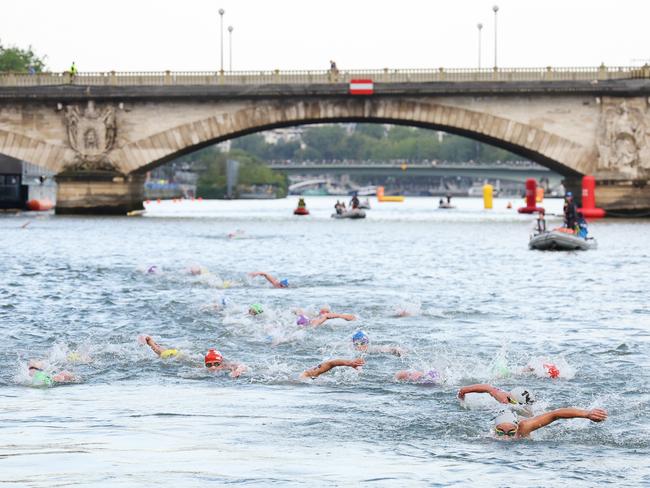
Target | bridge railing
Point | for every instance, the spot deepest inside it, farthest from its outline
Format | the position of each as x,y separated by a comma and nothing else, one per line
301,77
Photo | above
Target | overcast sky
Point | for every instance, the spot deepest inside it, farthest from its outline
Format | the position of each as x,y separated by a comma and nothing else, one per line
146,35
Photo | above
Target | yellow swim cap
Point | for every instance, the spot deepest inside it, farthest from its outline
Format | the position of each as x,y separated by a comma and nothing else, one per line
73,357
169,353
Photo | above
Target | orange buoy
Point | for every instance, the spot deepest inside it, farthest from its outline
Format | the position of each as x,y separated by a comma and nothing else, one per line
39,205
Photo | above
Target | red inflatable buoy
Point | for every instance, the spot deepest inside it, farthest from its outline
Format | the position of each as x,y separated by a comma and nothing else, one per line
589,209
39,205
531,196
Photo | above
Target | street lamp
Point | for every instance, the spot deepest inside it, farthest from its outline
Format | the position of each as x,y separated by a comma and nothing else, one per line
221,12
480,28
230,29
495,9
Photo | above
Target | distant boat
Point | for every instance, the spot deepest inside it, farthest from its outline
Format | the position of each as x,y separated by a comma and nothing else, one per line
365,191
355,213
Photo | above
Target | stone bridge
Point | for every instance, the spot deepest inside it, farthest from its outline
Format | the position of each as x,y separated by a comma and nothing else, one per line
101,132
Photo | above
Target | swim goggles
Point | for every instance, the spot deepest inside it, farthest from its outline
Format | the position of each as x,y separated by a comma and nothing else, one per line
212,364
509,433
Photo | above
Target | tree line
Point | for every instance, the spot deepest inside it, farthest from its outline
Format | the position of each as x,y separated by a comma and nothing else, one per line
373,142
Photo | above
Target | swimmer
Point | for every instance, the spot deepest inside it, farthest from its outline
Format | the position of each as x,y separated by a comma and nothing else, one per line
324,314
431,377
162,352
508,426
361,343
519,396
153,270
271,279
255,309
41,378
324,367
214,362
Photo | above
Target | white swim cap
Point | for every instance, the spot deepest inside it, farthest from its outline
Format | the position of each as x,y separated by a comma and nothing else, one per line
506,417
522,396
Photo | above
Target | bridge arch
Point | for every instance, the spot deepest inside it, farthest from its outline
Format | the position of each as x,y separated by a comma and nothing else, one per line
548,149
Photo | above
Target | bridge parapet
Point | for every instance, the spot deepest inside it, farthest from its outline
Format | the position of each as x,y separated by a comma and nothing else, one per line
302,77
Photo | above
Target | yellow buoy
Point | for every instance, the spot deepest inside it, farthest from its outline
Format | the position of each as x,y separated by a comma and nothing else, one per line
487,196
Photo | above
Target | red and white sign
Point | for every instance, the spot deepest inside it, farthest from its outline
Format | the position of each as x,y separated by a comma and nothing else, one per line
361,87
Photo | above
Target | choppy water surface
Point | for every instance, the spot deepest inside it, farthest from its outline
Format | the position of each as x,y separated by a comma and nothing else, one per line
483,307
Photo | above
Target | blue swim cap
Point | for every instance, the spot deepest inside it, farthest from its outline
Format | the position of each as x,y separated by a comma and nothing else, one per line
360,338
284,283
302,320
569,194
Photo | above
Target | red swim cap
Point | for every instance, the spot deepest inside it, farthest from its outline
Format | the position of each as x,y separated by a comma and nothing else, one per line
213,356
553,372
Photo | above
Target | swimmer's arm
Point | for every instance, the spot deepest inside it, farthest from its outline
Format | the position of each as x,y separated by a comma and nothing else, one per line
499,395
154,346
271,279
64,377
236,369
333,363
529,425
320,320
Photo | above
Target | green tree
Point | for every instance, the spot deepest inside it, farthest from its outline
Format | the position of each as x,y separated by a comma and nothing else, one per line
13,59
375,131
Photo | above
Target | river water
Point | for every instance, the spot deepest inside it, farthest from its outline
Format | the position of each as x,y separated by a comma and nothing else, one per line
75,293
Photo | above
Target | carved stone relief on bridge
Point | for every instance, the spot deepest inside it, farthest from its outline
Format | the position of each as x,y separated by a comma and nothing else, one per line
623,136
91,134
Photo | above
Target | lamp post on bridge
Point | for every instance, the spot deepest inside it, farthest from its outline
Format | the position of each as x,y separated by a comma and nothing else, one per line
480,28
221,12
230,29
495,9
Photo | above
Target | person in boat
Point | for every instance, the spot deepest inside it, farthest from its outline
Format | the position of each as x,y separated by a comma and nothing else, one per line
508,426
301,203
324,315
581,225
337,207
441,202
569,211
354,202
361,343
540,226
40,377
448,198
325,366
284,283
518,397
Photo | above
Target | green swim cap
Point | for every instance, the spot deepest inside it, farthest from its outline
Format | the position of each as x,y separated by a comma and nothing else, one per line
255,309
169,353
41,379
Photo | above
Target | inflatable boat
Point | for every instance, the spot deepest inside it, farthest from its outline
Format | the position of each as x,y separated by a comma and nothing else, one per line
350,214
556,240
301,211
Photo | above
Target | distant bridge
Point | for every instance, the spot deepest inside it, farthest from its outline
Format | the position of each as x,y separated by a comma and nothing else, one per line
506,172
101,132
